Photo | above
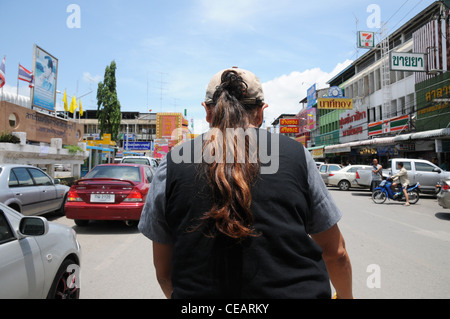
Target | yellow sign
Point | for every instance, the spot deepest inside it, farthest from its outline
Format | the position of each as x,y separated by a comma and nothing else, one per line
317,153
334,104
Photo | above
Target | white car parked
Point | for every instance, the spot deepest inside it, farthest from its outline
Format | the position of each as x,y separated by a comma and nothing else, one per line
38,259
346,177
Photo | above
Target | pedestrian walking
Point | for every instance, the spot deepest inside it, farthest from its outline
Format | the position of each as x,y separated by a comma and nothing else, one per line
243,220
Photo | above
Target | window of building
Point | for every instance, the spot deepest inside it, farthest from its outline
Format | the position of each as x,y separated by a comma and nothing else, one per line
377,79
393,108
393,77
402,105
13,120
371,82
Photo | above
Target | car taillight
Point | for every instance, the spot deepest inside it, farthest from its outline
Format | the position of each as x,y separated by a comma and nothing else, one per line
357,174
445,187
72,196
134,196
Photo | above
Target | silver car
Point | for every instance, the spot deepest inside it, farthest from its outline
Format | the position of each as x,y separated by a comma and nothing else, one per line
326,169
38,259
30,191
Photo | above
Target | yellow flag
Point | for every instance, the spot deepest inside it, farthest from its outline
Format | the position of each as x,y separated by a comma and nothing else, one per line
81,108
73,105
66,107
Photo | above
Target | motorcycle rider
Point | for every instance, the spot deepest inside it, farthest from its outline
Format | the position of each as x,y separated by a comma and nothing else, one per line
403,180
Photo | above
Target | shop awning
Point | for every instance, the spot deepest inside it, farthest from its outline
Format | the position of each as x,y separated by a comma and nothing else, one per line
375,141
423,135
98,148
315,148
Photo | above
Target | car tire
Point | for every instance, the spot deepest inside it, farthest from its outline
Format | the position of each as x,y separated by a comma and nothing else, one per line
344,185
59,288
81,222
62,210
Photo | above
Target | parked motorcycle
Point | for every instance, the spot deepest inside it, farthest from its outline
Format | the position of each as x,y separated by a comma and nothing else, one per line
384,192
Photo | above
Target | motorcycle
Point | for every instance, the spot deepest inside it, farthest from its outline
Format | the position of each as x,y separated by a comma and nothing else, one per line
384,192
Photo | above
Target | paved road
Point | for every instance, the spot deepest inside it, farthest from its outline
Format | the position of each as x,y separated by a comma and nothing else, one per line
408,246
403,252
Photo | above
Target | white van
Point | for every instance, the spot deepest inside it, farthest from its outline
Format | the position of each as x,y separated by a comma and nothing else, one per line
150,161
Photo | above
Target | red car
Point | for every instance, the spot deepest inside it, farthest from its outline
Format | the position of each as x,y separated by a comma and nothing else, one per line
110,192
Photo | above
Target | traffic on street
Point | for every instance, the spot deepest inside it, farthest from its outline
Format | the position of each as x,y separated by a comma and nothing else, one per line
397,252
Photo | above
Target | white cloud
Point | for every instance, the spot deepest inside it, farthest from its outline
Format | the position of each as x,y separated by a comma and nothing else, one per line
88,77
284,93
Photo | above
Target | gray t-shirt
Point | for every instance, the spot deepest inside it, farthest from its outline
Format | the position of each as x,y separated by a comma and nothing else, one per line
324,211
376,176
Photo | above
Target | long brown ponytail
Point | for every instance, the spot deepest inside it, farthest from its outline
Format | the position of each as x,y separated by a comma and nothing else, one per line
230,182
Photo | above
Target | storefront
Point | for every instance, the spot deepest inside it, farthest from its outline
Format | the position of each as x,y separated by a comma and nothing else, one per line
428,145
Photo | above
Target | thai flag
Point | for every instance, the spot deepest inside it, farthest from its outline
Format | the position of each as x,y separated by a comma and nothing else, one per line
2,73
25,75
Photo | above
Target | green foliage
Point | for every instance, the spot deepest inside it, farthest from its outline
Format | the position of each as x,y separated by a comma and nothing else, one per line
9,138
73,149
108,111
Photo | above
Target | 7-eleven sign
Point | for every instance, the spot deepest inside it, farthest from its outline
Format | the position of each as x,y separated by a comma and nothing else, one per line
366,39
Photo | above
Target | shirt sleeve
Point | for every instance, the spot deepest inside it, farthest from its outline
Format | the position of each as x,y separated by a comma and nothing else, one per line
324,211
153,223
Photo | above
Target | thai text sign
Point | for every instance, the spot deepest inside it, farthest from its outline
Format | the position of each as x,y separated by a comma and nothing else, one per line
286,122
412,62
334,104
167,123
289,130
353,125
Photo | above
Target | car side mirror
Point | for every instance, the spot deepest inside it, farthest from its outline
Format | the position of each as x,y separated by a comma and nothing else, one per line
33,226
437,170
57,181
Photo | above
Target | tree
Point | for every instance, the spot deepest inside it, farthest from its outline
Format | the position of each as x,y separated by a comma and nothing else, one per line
108,111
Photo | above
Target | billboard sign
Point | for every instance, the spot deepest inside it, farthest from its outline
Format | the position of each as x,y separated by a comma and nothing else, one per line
411,62
312,116
311,96
161,148
45,70
167,123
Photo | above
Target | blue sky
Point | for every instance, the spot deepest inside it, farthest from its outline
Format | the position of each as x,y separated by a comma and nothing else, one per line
178,45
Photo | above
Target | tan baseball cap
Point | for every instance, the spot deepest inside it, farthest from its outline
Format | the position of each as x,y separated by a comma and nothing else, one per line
254,92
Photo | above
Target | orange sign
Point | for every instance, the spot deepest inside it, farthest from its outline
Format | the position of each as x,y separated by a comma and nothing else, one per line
289,130
167,123
289,122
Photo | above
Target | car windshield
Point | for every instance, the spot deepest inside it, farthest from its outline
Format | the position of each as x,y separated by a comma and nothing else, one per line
136,161
129,173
